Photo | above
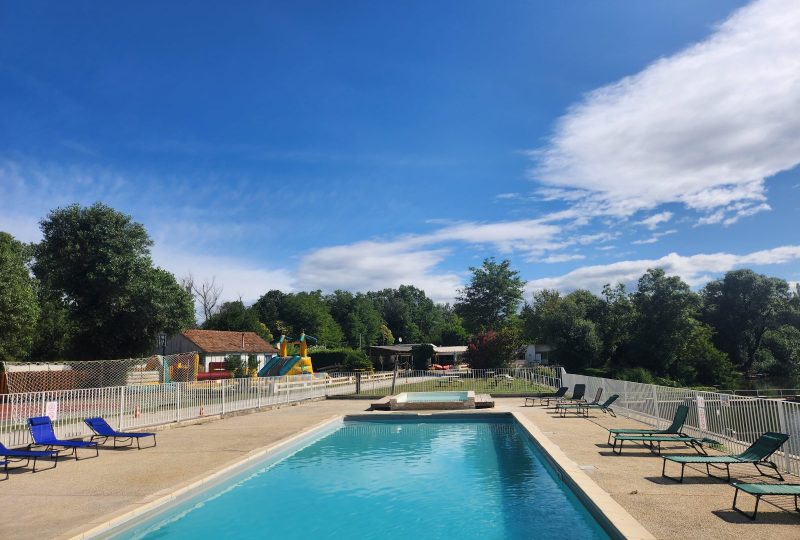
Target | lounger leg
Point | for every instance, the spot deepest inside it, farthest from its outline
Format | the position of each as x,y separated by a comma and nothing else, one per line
755,511
664,469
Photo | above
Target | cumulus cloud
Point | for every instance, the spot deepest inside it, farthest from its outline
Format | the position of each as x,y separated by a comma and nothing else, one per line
704,127
694,269
563,257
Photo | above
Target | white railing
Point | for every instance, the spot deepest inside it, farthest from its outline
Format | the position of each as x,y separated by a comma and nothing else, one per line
138,406
735,421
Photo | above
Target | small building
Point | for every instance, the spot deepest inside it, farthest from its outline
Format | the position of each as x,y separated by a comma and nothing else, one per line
215,345
538,354
387,355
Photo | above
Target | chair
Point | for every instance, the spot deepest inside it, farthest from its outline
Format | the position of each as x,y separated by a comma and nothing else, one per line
561,392
674,429
104,431
757,454
573,402
43,435
583,408
759,490
27,455
577,395
649,440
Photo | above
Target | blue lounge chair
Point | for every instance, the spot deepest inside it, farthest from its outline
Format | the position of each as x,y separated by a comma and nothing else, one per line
43,435
104,431
757,454
27,455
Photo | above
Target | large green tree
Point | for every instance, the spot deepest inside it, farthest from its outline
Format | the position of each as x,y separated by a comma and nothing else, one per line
357,316
19,309
665,308
493,295
741,307
234,316
97,260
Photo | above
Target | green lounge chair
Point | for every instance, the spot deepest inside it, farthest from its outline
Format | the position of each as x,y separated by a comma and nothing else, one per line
565,402
577,395
759,490
561,392
674,429
605,407
583,408
651,440
757,454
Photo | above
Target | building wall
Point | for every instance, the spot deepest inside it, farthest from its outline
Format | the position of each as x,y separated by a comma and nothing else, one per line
538,354
178,343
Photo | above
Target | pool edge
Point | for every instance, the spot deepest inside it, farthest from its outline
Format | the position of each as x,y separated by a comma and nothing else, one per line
145,506
617,521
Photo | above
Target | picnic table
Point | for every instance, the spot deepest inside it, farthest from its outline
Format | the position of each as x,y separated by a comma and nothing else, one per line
447,380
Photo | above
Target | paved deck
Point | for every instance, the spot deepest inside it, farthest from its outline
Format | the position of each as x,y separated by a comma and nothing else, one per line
62,502
667,509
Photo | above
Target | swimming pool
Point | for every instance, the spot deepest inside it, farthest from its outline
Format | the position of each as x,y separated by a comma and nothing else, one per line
469,477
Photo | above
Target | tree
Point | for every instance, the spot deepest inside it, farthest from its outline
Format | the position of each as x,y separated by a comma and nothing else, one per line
665,308
492,349
307,312
234,316
701,362
357,316
493,295
615,322
19,309
742,307
782,347
207,293
268,308
421,355
97,260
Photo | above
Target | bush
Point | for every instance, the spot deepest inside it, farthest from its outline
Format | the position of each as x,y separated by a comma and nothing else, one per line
422,355
346,359
235,364
639,374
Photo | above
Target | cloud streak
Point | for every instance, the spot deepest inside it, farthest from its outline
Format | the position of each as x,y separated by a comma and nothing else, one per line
694,269
704,127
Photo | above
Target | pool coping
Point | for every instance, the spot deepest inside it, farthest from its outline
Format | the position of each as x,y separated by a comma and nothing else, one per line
153,503
612,517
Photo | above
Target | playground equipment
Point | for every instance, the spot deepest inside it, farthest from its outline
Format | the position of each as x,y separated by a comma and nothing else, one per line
284,364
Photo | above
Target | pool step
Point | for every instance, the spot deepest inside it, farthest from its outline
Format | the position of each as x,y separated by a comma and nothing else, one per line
382,404
483,401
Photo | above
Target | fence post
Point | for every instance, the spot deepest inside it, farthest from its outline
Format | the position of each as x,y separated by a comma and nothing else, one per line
223,398
783,429
178,402
655,406
121,422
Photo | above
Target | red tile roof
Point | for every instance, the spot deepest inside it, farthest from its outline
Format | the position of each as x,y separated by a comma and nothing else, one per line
221,341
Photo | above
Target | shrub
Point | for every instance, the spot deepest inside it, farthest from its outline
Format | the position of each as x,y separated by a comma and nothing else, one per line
235,364
422,355
346,359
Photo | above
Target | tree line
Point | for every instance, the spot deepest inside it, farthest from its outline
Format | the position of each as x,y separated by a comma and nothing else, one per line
89,290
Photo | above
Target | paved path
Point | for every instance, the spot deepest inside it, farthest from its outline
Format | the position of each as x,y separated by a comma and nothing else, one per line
62,502
700,507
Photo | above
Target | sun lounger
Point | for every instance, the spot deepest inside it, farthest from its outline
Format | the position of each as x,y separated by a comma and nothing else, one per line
570,403
757,454
583,408
674,429
577,395
12,455
43,435
653,442
104,431
561,392
759,490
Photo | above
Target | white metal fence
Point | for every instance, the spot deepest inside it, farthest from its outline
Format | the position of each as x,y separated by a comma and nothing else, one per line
735,421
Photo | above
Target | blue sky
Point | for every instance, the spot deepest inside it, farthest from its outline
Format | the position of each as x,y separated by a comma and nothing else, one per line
362,145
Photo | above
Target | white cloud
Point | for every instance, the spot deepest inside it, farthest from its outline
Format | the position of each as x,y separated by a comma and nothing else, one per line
652,222
374,265
563,257
703,127
655,237
694,269
238,278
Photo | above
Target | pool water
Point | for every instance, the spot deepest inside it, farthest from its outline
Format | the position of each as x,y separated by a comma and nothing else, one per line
427,397
391,479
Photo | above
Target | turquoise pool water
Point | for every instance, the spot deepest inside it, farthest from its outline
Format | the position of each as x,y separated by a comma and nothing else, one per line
428,397
390,479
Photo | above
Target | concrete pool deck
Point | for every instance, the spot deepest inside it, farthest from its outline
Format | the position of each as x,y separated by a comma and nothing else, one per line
79,495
